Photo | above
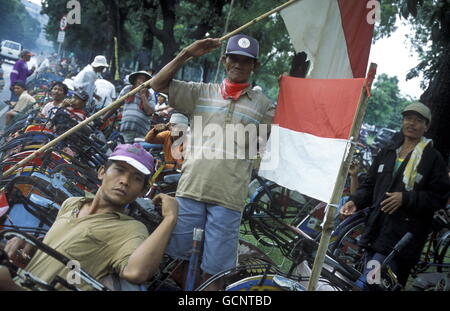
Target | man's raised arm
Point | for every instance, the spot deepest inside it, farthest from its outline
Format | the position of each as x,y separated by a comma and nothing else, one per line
161,81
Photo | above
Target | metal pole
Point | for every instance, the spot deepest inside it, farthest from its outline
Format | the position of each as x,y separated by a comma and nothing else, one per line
59,50
193,261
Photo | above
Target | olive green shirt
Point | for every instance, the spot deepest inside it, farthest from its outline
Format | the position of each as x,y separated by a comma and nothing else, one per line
221,179
101,243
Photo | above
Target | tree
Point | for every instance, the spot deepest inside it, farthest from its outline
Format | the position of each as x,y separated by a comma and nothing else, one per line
171,25
17,25
386,104
101,21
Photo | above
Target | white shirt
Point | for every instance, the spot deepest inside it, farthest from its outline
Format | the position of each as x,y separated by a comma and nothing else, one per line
106,91
85,80
45,111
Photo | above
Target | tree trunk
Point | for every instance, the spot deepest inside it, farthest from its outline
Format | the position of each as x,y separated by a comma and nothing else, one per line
437,97
166,35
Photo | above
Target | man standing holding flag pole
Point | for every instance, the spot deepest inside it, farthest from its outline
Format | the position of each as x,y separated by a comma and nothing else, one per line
212,190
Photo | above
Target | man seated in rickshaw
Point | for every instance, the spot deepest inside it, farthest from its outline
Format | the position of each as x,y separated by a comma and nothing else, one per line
25,102
96,231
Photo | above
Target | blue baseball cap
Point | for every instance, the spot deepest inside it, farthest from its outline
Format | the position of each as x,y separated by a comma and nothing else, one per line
243,45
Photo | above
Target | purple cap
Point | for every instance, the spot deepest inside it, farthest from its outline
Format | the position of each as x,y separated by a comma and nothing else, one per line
134,155
243,45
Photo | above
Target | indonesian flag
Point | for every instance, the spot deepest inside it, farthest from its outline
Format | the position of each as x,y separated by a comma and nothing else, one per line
310,133
335,34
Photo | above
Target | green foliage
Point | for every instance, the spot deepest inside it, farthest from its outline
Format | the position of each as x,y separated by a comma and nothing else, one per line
101,21
17,25
388,18
386,103
148,24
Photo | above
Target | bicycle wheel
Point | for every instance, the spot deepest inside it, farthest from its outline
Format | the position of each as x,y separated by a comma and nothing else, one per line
247,277
268,229
255,283
346,247
428,257
286,205
443,255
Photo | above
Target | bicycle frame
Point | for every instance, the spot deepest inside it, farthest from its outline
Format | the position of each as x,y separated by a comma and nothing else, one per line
53,253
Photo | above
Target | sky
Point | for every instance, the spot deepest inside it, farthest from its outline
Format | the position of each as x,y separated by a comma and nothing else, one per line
393,56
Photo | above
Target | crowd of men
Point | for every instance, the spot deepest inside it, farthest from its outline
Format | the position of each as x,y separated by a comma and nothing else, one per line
407,182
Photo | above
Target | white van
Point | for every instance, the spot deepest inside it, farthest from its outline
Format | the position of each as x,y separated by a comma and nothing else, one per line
10,50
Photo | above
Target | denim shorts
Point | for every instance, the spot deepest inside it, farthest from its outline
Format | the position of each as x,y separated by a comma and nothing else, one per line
220,237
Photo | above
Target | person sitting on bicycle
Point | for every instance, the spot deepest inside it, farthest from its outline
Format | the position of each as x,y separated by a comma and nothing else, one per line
96,231
162,108
170,135
25,100
138,108
405,185
58,92
75,105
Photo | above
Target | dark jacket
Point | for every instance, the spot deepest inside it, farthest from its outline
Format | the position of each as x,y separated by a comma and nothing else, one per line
415,215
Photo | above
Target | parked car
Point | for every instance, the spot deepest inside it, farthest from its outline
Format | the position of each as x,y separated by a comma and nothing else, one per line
383,137
10,50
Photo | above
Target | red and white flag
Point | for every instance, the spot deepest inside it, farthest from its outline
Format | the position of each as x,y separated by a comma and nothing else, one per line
335,34
4,206
312,125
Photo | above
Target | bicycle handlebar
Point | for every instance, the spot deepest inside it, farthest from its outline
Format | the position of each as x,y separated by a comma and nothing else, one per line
405,240
53,253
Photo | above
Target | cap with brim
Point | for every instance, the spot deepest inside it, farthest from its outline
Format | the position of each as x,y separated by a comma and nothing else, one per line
243,45
26,52
137,165
419,108
132,77
163,95
136,156
99,61
178,118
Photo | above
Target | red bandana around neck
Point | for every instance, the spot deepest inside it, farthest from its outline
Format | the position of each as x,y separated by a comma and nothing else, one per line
232,90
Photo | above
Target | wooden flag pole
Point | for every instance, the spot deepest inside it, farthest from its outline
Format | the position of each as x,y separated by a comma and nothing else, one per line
338,188
119,101
254,21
